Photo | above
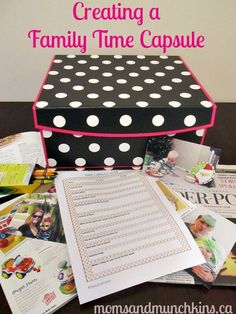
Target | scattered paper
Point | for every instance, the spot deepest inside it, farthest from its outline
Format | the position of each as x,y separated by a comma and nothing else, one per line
22,148
120,231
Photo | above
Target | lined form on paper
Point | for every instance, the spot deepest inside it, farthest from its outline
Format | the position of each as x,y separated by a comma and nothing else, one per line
118,225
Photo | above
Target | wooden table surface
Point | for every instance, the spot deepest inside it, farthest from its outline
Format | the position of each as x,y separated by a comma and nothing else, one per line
17,117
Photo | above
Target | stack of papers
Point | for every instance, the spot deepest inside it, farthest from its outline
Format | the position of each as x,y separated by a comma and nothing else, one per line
122,228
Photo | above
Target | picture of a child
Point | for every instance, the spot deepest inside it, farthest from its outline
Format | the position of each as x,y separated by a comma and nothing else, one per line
45,229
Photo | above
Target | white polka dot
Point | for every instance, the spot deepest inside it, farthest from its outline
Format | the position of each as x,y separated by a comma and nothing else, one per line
94,68
169,67
154,62
57,61
64,148
71,56
65,80
48,86
206,103
175,104
142,104
185,95
131,62
75,104
141,57
171,135
52,162
163,57
200,132
133,74
124,147
94,147
78,87
136,168
53,72
158,120
93,96
41,104
185,73
59,121
166,87
190,120
119,68
121,81
124,96
137,88
93,81
94,56
155,95
176,80
61,95
77,135
109,161
68,67
125,120
109,104
82,61
137,161
107,74
47,134
118,57
92,121
149,81
80,162
80,73
195,86
106,62
178,61
160,74
144,68
108,88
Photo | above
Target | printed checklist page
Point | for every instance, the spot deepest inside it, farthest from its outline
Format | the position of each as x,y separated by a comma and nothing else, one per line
120,231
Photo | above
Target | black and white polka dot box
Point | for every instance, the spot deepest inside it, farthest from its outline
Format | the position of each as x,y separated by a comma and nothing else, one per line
98,111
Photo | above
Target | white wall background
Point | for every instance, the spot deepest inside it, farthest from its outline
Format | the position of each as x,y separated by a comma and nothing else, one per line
22,68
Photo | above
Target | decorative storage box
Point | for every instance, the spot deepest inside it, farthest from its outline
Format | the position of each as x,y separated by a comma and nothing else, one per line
98,111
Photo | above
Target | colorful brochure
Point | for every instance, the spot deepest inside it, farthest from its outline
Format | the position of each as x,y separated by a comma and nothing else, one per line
35,270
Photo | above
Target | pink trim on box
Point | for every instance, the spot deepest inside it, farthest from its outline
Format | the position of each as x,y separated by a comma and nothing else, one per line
203,137
95,167
44,147
129,135
40,90
204,91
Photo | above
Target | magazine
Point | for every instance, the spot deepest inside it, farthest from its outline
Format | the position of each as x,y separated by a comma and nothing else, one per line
121,231
36,274
33,215
22,148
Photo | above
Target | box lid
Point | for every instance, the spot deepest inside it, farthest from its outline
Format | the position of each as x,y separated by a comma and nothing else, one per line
121,96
